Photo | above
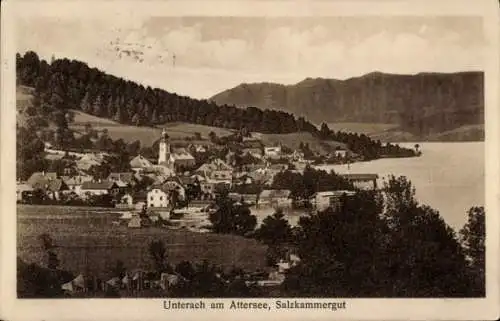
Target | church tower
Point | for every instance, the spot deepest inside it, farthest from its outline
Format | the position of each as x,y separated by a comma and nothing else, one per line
164,148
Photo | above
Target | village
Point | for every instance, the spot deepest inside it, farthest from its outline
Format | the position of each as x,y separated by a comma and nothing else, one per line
172,188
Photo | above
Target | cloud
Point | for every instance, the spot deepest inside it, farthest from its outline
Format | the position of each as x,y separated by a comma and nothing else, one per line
285,53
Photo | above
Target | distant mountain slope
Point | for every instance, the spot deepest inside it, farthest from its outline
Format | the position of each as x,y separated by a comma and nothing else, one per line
422,105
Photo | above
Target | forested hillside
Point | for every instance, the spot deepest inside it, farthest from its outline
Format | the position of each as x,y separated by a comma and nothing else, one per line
68,84
63,86
421,105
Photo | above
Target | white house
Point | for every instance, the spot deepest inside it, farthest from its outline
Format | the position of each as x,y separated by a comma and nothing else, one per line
272,151
323,200
75,183
362,181
341,153
276,198
158,197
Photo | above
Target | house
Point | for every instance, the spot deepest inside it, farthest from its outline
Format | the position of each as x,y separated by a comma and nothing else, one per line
276,168
244,179
140,163
253,148
135,222
128,178
55,188
362,181
99,188
249,193
175,184
323,200
340,152
221,176
75,182
272,151
207,189
131,200
126,201
89,160
181,159
214,165
49,183
158,197
275,198
22,191
196,148
158,170
297,156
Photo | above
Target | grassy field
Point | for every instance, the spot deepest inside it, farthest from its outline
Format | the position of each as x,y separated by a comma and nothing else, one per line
146,135
88,242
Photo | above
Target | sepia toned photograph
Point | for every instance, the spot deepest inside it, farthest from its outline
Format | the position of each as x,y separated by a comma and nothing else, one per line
176,157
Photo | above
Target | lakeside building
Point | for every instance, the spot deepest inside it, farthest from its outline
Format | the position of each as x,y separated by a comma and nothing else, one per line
363,181
329,199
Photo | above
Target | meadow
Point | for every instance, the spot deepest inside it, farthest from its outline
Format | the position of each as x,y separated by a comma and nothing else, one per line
146,135
88,242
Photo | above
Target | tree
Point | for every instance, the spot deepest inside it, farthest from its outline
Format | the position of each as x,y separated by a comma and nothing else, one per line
157,251
275,229
422,250
136,120
213,136
88,128
231,218
472,238
379,245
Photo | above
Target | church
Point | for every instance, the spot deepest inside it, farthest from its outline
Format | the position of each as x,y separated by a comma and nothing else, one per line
177,159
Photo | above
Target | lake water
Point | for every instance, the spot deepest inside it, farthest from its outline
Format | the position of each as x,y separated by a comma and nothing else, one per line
448,176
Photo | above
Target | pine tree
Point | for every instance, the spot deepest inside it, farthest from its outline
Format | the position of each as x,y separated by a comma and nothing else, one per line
85,105
97,106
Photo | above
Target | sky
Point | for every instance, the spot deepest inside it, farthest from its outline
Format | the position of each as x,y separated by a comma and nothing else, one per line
216,53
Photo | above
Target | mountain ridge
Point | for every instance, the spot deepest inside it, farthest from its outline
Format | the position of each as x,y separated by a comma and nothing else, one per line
423,104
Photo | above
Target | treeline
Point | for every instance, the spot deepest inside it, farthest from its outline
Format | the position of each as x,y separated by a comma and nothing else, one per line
65,85
69,84
304,185
375,244
382,247
363,145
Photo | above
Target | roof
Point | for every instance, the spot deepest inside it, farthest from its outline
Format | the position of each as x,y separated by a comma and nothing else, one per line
252,144
53,156
214,165
41,177
53,185
275,193
187,180
333,193
126,177
57,185
182,156
98,185
360,177
76,180
23,187
140,162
